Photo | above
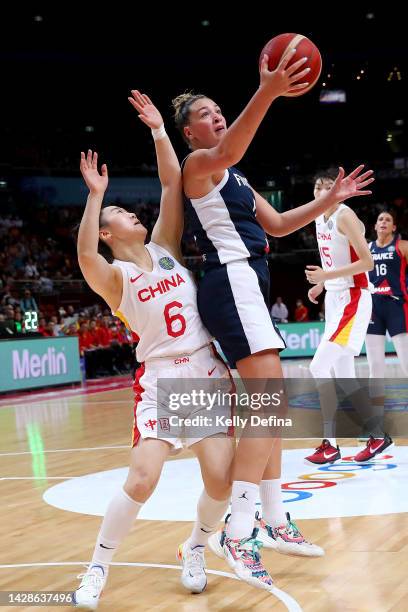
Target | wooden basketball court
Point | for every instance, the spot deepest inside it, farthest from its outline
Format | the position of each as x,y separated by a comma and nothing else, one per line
57,437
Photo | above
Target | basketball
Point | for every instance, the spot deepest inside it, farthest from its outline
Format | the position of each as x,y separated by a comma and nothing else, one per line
279,45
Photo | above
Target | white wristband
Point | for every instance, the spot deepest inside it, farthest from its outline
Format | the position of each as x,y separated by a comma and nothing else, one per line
159,133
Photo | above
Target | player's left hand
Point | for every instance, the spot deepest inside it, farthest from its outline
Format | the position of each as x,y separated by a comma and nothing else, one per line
315,274
148,113
345,187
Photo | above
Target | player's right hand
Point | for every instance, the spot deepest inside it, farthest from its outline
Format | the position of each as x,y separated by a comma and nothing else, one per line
284,79
148,113
96,183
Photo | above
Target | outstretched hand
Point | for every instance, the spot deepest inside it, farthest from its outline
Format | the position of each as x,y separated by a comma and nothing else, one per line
284,79
96,183
345,187
148,113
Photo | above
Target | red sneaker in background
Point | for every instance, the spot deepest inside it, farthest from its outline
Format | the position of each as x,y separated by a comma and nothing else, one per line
325,453
373,447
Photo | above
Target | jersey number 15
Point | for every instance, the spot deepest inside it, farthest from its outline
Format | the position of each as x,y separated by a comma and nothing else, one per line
326,257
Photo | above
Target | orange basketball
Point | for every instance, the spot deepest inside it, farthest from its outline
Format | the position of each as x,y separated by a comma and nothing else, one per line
279,45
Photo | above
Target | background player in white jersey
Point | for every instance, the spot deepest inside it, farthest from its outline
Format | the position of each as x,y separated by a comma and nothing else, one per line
229,220
148,286
346,260
390,314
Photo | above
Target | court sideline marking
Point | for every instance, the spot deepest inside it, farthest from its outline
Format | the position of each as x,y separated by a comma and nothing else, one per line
66,450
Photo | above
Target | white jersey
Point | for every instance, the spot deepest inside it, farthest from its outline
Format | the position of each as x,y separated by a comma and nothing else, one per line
336,252
160,307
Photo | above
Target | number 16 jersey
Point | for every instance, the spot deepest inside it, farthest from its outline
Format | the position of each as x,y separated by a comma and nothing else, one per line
390,273
160,307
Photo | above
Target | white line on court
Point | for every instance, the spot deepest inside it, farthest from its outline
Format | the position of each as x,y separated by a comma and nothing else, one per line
51,396
73,401
287,600
38,477
66,450
95,448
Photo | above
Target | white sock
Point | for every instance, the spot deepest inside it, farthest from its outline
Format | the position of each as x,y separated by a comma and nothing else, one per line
273,511
209,513
243,500
116,524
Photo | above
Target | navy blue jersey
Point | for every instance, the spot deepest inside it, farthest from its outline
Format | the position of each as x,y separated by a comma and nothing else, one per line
389,275
224,223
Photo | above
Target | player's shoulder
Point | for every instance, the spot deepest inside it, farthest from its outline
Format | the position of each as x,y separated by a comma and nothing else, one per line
347,222
403,246
346,216
183,163
346,211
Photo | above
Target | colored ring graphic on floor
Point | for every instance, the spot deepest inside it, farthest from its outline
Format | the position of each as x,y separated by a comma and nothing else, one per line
346,467
296,486
299,495
321,475
315,494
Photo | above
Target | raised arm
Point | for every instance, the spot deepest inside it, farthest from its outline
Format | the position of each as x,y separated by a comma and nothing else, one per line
102,277
344,187
168,228
350,225
203,163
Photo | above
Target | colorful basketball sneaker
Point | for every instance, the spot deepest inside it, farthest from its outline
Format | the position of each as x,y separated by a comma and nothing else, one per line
89,591
216,540
374,447
242,555
193,576
286,539
244,558
325,453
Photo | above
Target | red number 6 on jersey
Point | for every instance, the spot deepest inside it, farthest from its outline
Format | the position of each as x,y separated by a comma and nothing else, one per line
170,320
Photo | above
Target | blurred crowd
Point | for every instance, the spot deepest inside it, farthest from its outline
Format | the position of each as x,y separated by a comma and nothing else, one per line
40,247
38,261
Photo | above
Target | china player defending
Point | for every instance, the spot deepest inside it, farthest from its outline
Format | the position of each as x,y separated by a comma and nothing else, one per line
346,259
147,286
390,314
